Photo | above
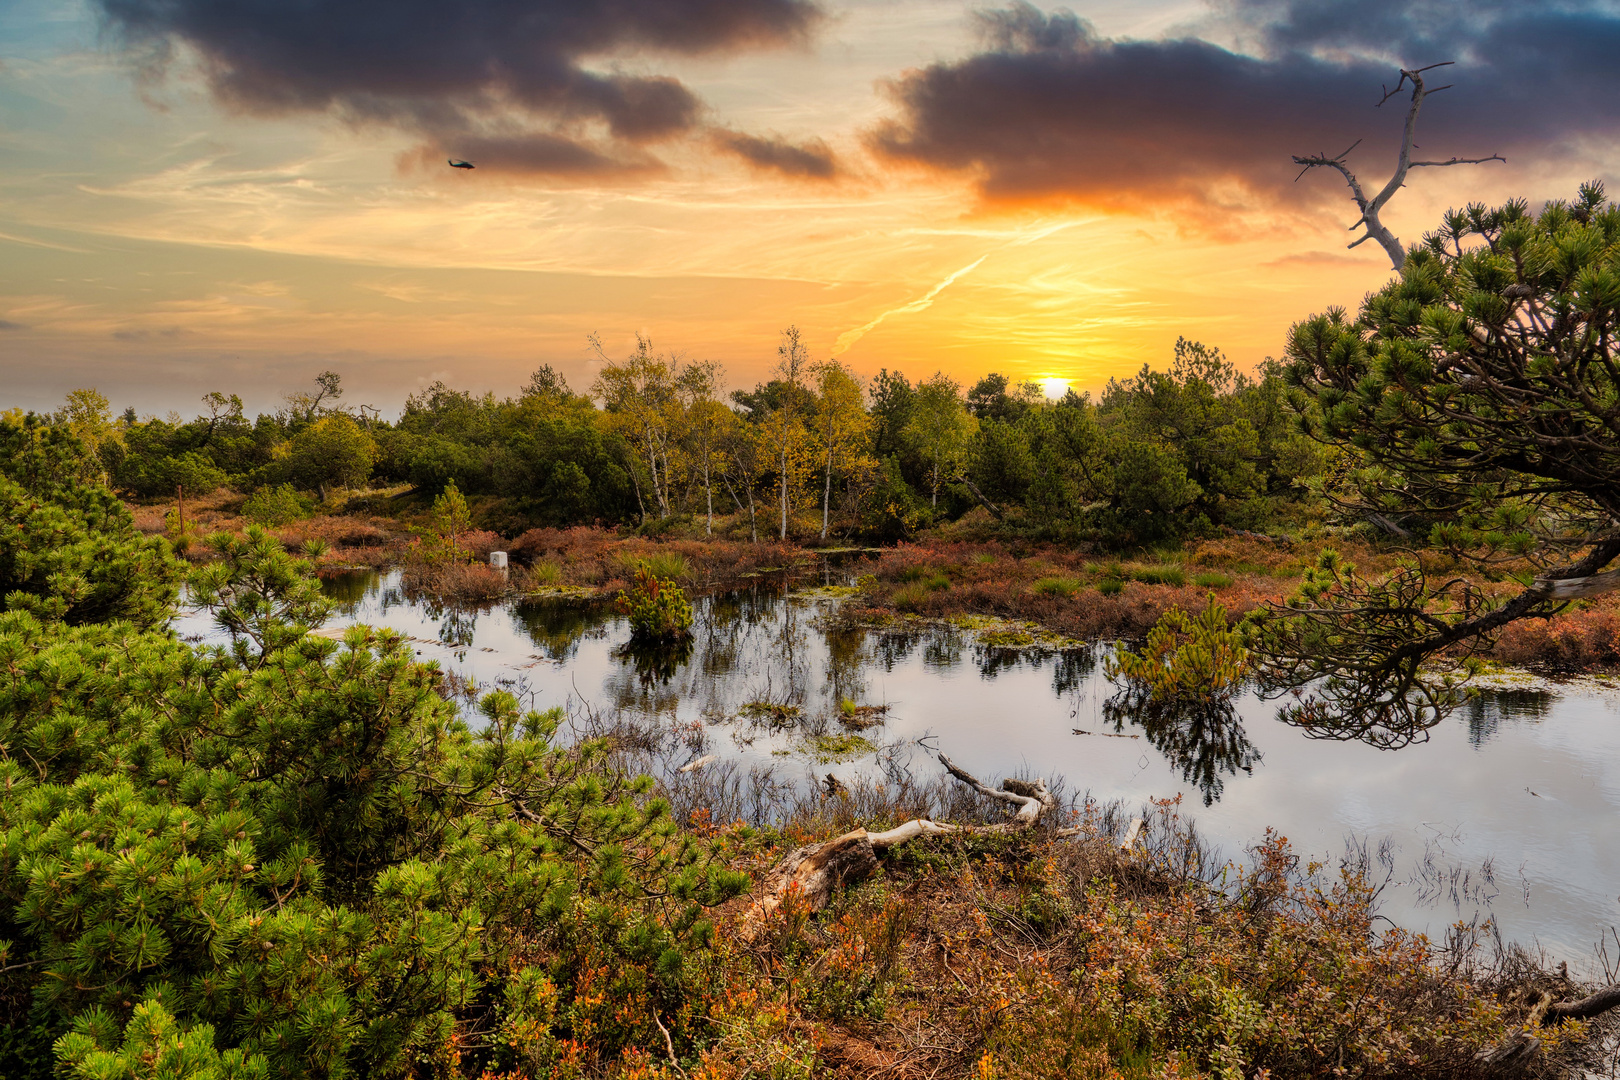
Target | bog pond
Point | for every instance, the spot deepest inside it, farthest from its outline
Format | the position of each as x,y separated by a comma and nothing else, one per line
1509,810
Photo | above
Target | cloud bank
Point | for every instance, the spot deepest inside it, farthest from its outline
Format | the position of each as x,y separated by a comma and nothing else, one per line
533,87
1049,111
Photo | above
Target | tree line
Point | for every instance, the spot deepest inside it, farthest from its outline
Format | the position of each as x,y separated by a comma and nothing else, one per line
813,451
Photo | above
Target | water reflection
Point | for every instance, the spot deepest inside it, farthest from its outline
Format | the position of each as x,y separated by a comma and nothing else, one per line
1205,741
556,626
766,675
1485,713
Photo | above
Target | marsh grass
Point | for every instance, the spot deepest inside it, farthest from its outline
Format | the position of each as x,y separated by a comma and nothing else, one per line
1162,574
1057,586
663,564
547,573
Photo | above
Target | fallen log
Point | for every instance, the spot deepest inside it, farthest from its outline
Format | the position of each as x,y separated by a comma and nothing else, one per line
1514,1055
815,872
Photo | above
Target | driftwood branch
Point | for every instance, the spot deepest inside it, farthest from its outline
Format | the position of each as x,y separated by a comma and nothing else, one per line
1577,588
816,871
1513,1055
1370,208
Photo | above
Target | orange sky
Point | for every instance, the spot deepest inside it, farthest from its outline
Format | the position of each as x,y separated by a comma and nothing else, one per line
157,243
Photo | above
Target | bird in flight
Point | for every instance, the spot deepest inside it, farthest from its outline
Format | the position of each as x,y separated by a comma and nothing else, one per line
462,165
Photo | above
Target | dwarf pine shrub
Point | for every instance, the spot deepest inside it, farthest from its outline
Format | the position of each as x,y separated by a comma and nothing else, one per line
1185,659
657,608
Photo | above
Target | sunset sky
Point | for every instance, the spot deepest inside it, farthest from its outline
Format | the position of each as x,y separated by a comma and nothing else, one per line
237,194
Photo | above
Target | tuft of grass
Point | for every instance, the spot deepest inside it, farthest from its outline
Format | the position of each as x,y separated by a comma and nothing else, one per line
546,572
775,712
984,558
1057,586
1211,580
911,597
1007,639
1110,586
827,749
662,564
1163,574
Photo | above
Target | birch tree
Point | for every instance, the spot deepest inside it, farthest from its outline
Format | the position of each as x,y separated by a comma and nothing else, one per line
940,430
640,401
842,429
705,424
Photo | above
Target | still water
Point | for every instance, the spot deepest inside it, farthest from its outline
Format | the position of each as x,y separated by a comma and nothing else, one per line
1519,790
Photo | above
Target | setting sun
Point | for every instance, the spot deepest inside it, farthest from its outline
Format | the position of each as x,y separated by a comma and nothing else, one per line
1053,386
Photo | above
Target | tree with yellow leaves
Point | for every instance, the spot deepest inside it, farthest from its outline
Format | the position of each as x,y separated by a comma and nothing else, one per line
841,427
641,403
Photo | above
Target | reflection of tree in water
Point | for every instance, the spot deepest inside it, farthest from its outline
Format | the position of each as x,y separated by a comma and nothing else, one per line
456,625
1205,741
347,588
1073,668
992,660
891,649
942,651
656,663
846,664
1486,711
558,626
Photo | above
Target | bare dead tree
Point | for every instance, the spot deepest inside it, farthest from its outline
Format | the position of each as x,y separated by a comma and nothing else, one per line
1370,208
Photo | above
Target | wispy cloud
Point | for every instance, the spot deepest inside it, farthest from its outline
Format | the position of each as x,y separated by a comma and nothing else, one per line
850,337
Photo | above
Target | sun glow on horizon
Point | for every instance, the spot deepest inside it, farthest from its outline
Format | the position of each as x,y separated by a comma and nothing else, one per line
1053,386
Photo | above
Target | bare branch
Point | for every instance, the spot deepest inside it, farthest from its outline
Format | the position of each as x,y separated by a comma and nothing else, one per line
1370,208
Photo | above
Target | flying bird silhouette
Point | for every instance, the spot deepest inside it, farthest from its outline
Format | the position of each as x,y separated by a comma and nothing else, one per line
462,165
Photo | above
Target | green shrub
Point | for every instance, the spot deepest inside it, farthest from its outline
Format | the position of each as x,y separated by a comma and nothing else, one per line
314,549
1057,586
657,607
1184,660
1209,579
276,506
1164,574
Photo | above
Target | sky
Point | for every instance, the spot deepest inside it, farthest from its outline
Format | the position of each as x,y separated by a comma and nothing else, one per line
235,195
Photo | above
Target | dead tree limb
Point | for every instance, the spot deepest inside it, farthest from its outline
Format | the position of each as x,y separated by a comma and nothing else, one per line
1513,1055
1370,208
816,871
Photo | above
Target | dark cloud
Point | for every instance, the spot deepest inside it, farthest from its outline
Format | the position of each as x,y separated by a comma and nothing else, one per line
813,160
7,324
475,77
1050,110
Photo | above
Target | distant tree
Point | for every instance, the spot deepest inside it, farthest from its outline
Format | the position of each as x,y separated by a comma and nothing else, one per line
841,427
88,416
994,397
334,450
641,404
705,421
305,407
940,431
1479,396
780,412
547,381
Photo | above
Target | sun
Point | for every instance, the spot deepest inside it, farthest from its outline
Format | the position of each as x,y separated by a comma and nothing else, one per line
1053,386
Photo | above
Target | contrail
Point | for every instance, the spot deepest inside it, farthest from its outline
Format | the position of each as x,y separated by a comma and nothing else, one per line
850,337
